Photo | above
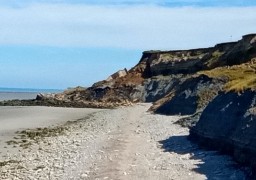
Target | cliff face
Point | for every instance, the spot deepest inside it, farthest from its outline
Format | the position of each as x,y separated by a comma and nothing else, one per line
190,96
192,61
228,124
163,77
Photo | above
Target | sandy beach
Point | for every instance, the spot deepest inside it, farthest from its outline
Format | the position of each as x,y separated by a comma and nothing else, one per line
13,119
17,95
126,143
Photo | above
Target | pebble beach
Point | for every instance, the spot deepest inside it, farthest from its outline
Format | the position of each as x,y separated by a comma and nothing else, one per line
123,143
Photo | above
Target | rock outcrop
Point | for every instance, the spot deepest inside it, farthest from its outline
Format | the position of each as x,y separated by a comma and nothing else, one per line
118,74
190,96
192,61
228,124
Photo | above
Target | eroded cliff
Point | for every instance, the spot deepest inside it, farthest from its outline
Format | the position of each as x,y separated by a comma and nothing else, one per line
164,77
228,124
216,86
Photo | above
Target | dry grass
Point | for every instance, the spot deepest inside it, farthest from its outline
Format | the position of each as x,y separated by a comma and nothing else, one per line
214,59
240,77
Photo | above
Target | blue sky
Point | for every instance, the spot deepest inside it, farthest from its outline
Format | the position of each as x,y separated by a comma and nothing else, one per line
64,43
171,3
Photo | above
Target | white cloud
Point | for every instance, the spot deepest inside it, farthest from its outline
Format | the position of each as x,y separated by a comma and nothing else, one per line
132,27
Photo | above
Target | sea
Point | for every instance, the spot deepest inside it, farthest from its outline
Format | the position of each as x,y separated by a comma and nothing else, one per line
23,93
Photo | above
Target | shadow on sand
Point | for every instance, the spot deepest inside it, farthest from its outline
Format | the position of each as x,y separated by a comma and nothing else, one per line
210,163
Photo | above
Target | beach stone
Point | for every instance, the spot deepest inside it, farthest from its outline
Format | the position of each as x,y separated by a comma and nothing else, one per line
84,175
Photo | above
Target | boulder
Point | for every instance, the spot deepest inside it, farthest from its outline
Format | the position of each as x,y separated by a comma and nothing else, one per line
118,74
42,96
39,97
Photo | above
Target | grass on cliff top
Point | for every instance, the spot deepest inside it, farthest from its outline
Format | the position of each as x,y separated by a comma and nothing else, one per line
240,77
213,62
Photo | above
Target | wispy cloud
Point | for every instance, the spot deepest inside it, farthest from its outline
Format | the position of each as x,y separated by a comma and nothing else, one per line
123,26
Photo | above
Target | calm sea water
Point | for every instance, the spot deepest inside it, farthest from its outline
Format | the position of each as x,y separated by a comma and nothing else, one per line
21,93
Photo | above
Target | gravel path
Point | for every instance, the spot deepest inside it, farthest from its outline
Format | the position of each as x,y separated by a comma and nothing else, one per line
125,143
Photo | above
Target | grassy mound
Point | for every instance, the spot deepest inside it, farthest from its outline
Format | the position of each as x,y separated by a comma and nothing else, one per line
240,77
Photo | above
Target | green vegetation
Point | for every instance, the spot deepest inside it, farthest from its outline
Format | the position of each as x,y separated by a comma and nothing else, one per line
30,136
12,142
39,167
4,163
41,133
240,77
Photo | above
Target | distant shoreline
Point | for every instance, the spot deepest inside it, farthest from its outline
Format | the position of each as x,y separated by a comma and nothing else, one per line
22,93
17,95
28,90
